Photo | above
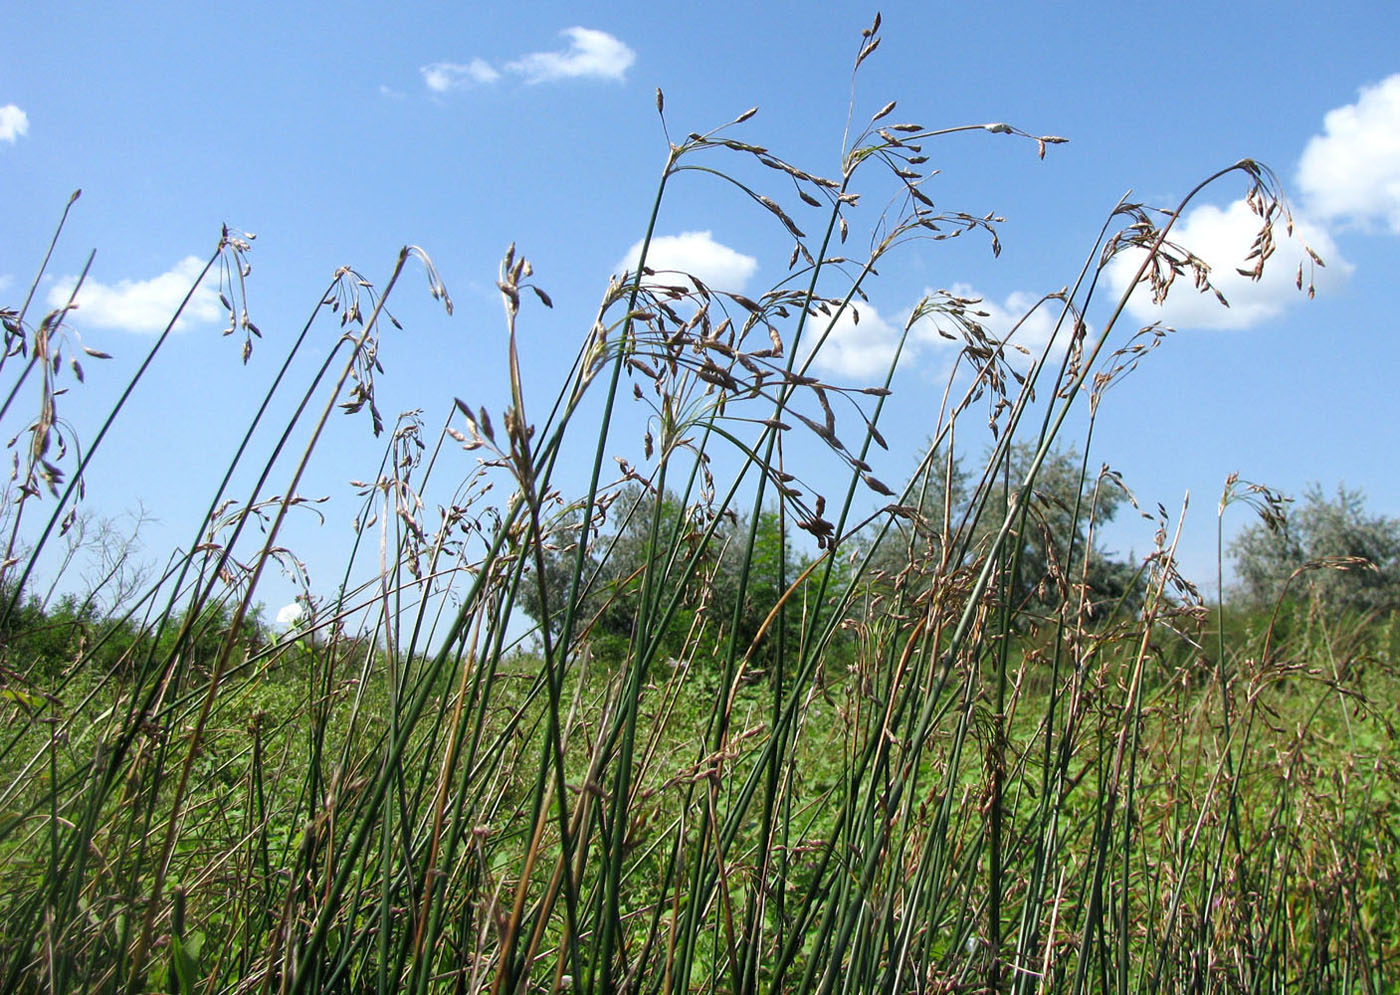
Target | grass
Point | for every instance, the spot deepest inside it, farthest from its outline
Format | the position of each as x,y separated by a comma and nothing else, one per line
898,774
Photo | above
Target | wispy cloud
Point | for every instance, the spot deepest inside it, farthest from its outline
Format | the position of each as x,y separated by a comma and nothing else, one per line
1351,172
1223,238
142,305
440,77
695,253
590,53
13,123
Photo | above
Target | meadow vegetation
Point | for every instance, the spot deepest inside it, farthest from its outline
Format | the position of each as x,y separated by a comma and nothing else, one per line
777,729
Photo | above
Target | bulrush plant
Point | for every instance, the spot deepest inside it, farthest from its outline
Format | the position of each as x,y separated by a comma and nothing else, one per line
904,754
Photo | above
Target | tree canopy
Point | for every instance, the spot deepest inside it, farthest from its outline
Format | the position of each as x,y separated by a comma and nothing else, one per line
1059,551
645,539
1328,549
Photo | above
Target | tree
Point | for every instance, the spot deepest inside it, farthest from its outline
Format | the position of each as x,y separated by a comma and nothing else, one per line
663,542
959,515
772,566
1353,557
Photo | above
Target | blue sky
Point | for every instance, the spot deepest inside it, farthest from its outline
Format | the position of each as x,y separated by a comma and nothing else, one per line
338,136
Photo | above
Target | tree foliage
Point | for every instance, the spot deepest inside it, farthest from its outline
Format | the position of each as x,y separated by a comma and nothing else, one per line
39,641
1060,553
651,554
1330,551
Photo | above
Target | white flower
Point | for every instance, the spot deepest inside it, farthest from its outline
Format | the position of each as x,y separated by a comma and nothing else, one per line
290,616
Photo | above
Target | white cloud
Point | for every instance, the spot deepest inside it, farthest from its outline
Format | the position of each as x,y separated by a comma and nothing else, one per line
6,280
1012,321
142,305
695,253
861,344
861,350
1223,238
443,76
1352,171
13,123
590,53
